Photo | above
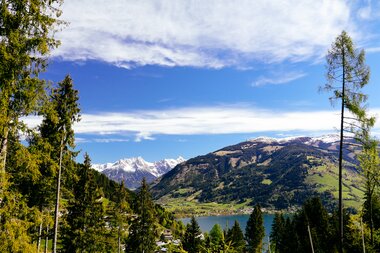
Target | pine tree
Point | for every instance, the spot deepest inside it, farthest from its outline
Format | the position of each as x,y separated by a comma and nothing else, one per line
290,242
142,232
25,41
277,233
192,242
236,237
315,218
57,129
217,237
346,67
85,227
254,231
120,214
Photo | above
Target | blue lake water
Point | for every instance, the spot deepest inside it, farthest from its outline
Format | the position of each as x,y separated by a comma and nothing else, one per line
207,222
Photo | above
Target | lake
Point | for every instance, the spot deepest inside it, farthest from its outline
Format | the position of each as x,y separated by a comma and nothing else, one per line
207,222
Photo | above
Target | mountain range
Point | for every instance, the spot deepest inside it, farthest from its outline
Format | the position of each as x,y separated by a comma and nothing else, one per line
276,173
132,170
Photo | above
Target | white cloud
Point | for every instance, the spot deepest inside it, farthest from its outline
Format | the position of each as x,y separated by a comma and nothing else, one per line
214,33
108,140
144,125
143,136
373,49
278,78
365,12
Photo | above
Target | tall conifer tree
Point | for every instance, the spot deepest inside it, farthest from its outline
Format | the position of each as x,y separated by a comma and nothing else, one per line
85,229
142,232
254,231
121,212
236,237
57,128
277,233
192,240
347,74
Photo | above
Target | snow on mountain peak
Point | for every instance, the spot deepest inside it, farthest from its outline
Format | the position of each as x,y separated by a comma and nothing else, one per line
138,164
329,138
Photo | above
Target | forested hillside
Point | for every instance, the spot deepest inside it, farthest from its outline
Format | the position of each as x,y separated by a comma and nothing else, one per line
278,174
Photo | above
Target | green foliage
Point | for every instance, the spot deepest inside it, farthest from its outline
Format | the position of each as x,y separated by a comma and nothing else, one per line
192,242
16,219
85,225
291,234
25,41
60,114
142,231
314,215
346,65
370,163
235,236
216,238
254,231
277,233
120,214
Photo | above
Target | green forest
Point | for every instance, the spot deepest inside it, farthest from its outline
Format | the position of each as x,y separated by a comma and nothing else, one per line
49,202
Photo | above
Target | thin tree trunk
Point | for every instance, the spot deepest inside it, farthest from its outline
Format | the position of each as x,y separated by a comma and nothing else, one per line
310,238
39,237
56,213
4,149
341,159
361,225
371,215
47,238
118,240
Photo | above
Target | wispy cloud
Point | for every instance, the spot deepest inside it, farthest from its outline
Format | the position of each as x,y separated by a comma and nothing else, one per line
144,125
373,49
214,33
278,78
109,140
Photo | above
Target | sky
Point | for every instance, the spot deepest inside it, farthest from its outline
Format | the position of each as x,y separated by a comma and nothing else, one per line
162,79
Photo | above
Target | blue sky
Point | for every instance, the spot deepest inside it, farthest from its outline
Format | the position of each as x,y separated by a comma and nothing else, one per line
161,79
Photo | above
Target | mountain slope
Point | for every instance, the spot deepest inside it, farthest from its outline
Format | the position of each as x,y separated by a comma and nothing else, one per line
275,173
132,170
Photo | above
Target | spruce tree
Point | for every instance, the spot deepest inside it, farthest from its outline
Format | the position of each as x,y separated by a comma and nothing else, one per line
236,237
254,231
216,237
347,74
192,241
85,227
277,233
142,232
120,214
314,217
60,114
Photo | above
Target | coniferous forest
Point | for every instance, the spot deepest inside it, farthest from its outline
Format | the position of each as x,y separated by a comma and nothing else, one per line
49,202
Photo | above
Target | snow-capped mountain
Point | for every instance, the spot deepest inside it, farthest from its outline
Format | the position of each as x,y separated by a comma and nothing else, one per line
132,170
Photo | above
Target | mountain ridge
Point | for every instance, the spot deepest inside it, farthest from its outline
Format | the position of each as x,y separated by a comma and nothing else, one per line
131,171
277,173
